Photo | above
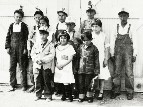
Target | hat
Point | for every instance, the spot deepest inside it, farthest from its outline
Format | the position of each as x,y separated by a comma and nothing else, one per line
69,20
38,11
62,10
86,35
20,11
43,30
90,8
123,10
97,22
65,34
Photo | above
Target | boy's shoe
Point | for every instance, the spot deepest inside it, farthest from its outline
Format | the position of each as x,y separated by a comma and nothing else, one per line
11,89
101,97
80,100
31,89
24,88
70,99
63,98
129,96
48,99
37,98
90,100
114,95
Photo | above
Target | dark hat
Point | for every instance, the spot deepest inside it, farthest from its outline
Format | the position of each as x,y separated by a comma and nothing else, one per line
43,30
65,34
45,18
97,22
123,11
39,12
63,10
87,35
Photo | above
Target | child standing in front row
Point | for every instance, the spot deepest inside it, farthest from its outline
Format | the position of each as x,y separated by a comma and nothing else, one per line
89,67
101,41
63,70
42,55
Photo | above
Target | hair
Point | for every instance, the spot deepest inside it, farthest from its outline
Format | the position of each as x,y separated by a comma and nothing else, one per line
39,12
97,22
87,35
19,12
65,34
46,20
90,10
43,32
79,41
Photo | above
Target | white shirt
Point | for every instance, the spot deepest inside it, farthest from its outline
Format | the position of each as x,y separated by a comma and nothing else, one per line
17,27
62,26
123,31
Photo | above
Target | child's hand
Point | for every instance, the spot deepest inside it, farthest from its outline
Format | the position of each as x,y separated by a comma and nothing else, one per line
59,67
8,50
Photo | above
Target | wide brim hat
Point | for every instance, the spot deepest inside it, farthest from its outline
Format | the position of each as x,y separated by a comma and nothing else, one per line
69,20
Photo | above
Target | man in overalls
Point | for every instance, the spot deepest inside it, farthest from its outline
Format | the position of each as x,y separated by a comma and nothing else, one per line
124,50
16,46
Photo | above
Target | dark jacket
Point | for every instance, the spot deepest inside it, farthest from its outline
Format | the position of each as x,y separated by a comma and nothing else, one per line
23,39
89,60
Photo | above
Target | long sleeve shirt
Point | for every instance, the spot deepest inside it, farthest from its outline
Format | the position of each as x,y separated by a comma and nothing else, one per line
123,31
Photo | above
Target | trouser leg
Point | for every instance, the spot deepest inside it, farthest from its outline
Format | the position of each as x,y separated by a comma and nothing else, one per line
117,75
129,76
47,76
81,78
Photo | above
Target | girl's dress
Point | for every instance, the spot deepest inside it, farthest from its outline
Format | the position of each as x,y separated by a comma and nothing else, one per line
101,42
66,74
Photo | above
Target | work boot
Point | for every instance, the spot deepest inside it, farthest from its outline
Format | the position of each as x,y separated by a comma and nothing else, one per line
130,96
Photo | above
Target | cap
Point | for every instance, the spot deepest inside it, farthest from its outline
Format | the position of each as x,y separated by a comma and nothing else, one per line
65,34
62,10
70,20
97,22
123,10
38,11
44,30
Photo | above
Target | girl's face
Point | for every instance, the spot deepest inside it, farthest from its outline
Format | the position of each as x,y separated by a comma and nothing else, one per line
37,18
96,28
43,36
63,40
17,17
90,15
86,41
43,23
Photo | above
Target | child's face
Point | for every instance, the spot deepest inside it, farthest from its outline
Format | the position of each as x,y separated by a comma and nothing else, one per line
43,23
86,41
17,17
96,28
70,26
90,15
63,40
37,18
62,17
43,36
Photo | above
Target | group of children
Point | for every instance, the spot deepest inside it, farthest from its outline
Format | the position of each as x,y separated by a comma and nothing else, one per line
65,62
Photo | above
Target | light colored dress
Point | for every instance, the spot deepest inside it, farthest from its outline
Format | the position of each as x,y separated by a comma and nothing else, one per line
101,42
66,74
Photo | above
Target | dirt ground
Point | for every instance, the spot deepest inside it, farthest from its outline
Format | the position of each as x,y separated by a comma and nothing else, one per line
19,98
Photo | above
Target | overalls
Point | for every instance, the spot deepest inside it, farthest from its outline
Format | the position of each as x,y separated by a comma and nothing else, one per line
123,57
17,56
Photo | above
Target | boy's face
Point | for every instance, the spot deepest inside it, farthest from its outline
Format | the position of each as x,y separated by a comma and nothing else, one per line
96,28
90,15
43,23
63,40
37,18
86,41
123,17
43,36
62,17
70,26
17,17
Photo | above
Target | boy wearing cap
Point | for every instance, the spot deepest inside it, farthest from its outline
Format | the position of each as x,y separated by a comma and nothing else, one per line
62,14
16,46
31,41
86,24
42,56
123,49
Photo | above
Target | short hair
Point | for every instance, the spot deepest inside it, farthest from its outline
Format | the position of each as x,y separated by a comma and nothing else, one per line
45,19
19,12
65,34
39,12
87,35
90,10
97,22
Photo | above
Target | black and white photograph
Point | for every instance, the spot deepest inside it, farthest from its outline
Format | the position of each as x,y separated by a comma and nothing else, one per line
71,53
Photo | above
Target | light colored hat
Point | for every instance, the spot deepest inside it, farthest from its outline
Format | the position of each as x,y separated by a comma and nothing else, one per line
63,10
123,10
70,20
44,30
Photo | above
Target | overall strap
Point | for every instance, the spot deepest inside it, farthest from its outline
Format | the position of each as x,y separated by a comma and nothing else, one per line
117,28
57,26
129,28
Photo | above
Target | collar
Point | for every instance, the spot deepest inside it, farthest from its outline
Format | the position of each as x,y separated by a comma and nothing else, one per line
88,45
127,25
17,23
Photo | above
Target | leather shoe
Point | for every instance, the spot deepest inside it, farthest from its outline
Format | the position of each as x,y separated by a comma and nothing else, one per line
129,96
114,95
11,89
90,100
37,98
80,100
